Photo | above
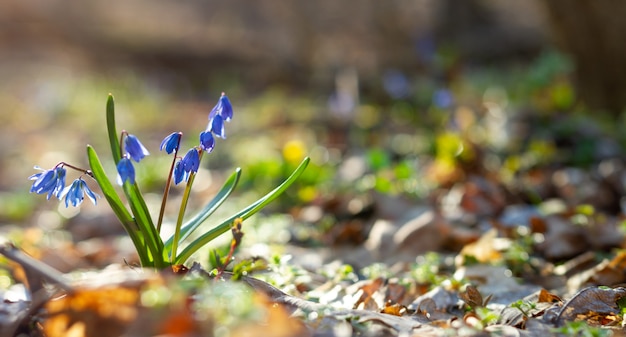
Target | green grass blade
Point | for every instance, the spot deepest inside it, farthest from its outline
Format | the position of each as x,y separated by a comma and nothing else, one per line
243,214
128,222
209,209
112,131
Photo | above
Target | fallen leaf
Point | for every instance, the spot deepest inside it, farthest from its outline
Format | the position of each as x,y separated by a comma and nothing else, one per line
546,297
92,312
394,309
472,297
591,300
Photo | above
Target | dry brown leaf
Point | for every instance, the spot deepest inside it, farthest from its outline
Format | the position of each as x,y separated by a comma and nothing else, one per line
92,312
546,297
394,309
592,300
472,297
606,273
368,295
484,250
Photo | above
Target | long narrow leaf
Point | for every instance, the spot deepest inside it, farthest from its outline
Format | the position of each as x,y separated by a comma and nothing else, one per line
116,204
209,209
137,205
116,150
144,221
243,214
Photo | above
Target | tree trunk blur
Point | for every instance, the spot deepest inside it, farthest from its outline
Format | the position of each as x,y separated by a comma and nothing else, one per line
592,31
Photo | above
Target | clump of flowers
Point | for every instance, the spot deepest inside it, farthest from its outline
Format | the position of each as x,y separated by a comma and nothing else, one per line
153,251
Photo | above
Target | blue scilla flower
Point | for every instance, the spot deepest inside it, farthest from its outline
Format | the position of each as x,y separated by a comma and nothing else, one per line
221,112
125,171
184,167
75,193
216,125
134,148
171,142
207,141
222,108
49,181
179,172
191,161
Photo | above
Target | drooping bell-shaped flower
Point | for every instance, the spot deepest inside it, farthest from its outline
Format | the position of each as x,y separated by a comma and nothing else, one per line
179,172
171,142
191,161
184,167
216,125
207,141
75,193
125,171
49,181
222,108
134,148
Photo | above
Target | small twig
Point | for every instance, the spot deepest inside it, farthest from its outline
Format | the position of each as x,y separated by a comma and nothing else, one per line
34,269
236,241
36,272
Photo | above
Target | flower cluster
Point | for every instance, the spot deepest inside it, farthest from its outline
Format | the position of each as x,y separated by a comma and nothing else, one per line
222,112
52,182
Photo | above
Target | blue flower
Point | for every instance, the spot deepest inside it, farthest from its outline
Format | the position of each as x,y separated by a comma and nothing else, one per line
179,172
207,142
49,181
221,112
184,167
216,125
191,161
222,108
125,171
443,98
75,193
134,148
171,142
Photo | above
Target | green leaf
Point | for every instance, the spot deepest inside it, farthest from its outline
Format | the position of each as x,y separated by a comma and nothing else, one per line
209,209
243,214
112,131
148,232
117,206
144,221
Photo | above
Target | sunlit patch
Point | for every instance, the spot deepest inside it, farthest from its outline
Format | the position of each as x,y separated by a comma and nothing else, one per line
294,151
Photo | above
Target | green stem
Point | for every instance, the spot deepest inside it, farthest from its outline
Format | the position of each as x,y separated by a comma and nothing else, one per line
166,192
181,212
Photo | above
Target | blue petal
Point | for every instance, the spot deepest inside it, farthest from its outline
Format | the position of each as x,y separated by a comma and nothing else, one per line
125,171
134,148
217,110
60,182
222,108
191,161
207,141
77,196
44,182
179,172
171,142
227,108
92,196
217,126
73,194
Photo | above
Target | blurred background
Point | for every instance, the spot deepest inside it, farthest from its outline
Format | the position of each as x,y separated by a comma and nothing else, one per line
396,99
